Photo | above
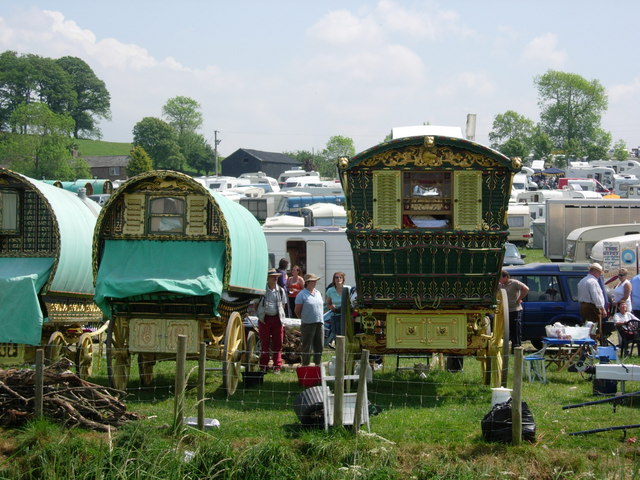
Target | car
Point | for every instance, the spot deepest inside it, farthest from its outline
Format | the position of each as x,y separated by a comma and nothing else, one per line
512,255
552,297
101,198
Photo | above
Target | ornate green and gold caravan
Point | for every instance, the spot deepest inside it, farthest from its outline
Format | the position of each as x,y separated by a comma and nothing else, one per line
46,289
170,258
426,219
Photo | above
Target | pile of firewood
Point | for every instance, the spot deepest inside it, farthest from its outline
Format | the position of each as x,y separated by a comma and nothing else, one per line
66,398
292,346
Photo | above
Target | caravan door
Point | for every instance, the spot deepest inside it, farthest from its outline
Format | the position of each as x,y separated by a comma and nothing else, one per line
317,263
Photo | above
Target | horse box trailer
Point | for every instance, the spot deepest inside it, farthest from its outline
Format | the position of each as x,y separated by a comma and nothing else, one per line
581,240
565,215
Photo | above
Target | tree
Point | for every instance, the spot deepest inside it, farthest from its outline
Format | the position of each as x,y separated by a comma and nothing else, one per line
512,134
92,99
183,114
571,109
44,149
197,152
308,160
160,141
541,144
620,151
16,85
337,146
140,162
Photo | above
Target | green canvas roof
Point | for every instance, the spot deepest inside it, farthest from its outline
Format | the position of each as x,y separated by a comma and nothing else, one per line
249,254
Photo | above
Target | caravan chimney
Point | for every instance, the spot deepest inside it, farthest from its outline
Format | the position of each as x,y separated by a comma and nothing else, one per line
471,127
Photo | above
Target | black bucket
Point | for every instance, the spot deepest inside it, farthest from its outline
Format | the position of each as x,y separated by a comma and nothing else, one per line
252,379
604,387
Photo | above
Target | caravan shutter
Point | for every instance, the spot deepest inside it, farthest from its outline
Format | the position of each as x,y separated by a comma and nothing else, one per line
197,215
134,214
467,206
387,204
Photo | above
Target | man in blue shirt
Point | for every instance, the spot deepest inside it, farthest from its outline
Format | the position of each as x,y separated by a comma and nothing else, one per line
309,308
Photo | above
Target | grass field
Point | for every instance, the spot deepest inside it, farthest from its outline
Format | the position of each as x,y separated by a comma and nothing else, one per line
428,427
100,148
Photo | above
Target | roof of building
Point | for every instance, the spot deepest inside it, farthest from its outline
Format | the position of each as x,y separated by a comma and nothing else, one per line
107,160
270,157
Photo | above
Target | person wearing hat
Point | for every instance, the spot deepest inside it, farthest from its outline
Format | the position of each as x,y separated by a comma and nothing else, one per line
622,292
309,308
270,317
591,297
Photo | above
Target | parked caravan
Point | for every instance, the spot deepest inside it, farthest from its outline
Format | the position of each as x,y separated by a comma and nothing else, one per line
92,186
519,221
173,258
319,250
565,215
581,240
46,288
616,252
604,175
426,221
588,184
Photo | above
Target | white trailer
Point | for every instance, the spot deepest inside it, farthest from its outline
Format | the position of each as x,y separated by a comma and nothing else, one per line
319,250
565,215
613,253
580,241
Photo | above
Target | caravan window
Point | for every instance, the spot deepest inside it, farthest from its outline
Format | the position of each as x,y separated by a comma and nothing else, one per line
8,212
166,215
515,221
427,199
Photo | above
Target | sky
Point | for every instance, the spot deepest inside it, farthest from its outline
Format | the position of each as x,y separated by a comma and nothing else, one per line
286,75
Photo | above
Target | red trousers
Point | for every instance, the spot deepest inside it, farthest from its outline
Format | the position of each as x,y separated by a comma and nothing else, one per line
271,333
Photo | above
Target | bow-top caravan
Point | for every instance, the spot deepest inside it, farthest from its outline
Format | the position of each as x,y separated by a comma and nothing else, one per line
172,258
426,220
46,288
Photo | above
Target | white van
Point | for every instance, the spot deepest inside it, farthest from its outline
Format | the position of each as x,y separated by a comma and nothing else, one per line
519,221
580,241
613,253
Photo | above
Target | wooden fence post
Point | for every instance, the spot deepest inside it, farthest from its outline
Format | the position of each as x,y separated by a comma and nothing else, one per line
178,406
362,381
201,371
338,398
38,383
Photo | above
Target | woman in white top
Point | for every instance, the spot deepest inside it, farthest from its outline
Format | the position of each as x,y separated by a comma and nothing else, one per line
622,292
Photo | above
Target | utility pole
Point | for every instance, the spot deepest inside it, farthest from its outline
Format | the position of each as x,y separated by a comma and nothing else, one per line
215,150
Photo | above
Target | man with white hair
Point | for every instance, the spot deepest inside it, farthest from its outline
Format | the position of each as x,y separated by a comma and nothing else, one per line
591,297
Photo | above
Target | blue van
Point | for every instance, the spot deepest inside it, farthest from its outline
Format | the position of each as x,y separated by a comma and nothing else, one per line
553,296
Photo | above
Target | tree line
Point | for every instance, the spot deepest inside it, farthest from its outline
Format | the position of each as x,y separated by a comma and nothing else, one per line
571,109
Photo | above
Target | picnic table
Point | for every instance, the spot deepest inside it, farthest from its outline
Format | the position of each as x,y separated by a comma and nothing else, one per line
563,352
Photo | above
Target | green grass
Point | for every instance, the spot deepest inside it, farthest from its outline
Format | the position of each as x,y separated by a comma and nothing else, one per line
100,148
534,255
429,427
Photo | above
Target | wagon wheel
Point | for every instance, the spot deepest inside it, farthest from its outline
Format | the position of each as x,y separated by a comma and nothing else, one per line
251,358
495,349
234,345
55,347
146,361
84,356
118,356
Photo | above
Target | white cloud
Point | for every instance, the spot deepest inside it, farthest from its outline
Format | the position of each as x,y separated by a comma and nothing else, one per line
469,84
543,51
622,92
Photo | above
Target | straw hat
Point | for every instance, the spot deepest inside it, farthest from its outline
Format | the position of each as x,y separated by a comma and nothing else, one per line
310,277
273,272
596,266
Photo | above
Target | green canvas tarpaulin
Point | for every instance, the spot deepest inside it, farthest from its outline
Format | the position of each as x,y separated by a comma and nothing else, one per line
141,267
20,315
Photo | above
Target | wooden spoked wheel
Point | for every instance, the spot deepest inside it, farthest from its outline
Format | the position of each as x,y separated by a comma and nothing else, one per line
146,361
84,356
118,356
55,348
234,345
497,368
251,357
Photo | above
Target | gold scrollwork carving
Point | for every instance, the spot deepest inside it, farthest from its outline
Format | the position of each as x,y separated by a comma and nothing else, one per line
420,156
442,331
411,330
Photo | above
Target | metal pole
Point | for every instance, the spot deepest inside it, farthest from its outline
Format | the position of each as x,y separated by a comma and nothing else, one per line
178,406
215,151
39,383
516,397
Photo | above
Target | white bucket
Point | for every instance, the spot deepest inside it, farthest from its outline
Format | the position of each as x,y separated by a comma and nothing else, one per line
500,395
